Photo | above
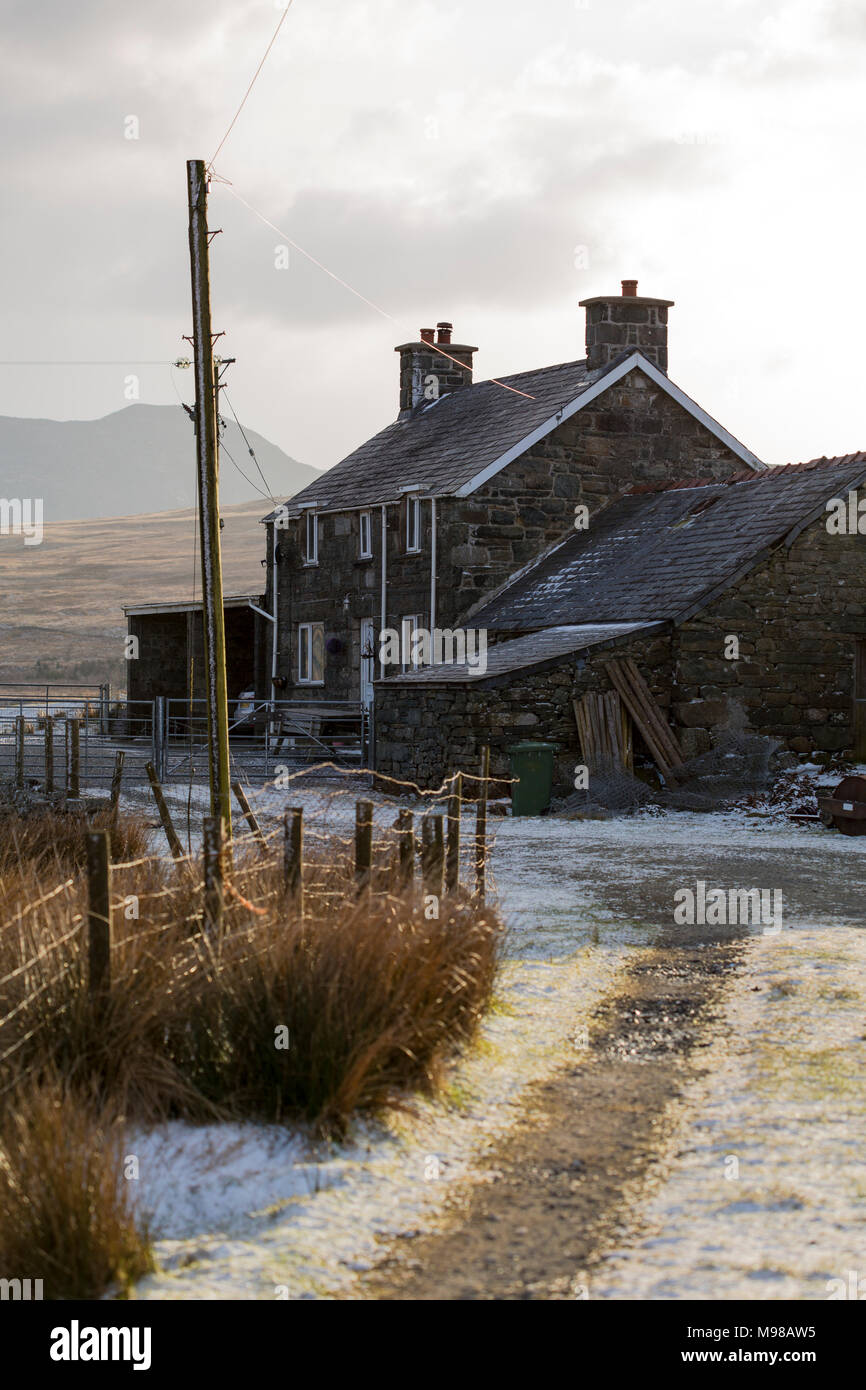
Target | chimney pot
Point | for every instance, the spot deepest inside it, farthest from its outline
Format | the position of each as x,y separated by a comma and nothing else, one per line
629,289
445,330
427,335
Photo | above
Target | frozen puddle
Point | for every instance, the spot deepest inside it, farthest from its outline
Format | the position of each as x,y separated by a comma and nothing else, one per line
247,1211
763,1186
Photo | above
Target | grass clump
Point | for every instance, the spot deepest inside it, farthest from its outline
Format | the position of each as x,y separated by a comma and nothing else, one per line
65,1209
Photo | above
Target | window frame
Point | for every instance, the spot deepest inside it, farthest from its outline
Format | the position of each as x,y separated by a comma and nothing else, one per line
365,552
413,511
306,640
312,533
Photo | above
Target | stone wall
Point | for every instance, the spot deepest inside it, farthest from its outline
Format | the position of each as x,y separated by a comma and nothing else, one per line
797,619
426,732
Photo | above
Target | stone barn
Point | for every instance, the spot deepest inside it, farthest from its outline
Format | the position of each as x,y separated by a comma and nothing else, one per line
751,590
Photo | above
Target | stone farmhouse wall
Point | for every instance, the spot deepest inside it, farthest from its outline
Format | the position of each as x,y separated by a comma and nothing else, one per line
632,433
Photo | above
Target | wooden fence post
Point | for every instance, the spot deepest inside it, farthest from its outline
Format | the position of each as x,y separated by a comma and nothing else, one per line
452,858
293,855
171,835
49,755
363,845
19,752
214,830
249,815
433,854
74,759
117,775
99,916
405,851
481,826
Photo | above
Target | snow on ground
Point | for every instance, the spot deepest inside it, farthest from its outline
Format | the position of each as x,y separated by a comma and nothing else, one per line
766,1175
246,1211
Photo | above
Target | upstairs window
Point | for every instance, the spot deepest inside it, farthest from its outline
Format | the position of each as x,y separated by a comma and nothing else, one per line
366,537
311,556
413,524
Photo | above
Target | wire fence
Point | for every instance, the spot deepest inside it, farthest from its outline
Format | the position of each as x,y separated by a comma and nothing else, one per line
302,847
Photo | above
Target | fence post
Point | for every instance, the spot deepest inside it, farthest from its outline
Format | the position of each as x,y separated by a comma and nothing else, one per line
213,872
19,752
363,845
171,835
406,850
452,858
433,854
99,916
481,826
49,755
74,759
158,735
117,775
293,855
249,815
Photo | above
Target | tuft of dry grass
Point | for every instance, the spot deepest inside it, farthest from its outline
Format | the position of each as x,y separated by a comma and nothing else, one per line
51,842
324,1018
372,995
65,1210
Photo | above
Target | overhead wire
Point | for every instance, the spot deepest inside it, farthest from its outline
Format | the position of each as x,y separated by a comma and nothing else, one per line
251,85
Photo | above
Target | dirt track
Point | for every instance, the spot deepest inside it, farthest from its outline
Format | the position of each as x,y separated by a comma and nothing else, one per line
551,1197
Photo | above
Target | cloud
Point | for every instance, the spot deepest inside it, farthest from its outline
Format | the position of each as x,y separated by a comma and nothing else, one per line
479,163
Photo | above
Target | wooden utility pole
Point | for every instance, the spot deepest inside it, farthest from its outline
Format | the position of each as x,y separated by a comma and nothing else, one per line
207,435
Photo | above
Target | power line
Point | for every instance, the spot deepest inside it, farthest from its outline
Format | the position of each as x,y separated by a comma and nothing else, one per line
385,315
267,495
252,84
250,450
118,362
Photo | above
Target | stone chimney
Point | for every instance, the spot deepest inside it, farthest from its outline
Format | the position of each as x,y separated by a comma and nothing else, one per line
432,367
626,323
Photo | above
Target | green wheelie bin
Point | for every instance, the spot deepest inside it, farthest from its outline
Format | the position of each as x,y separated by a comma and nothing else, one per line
532,765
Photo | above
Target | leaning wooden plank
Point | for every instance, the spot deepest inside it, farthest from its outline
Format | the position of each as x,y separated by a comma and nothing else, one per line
581,726
665,732
640,717
611,710
597,730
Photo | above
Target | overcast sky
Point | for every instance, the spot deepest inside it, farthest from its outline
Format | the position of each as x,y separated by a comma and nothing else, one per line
488,162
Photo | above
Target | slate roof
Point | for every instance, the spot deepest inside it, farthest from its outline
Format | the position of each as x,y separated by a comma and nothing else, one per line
661,555
444,443
521,652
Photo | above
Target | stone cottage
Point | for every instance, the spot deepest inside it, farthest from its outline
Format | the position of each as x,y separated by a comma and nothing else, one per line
471,483
750,590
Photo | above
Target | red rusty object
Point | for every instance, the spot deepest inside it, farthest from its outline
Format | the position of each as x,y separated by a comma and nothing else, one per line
846,808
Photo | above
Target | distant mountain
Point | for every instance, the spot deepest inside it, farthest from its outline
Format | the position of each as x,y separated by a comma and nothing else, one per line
140,459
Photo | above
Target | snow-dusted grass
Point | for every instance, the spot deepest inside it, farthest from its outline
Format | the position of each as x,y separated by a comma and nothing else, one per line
764,1180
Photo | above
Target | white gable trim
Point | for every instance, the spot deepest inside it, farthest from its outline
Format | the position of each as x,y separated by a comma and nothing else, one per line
609,379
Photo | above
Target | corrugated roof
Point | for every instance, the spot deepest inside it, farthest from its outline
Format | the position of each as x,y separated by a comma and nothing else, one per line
521,652
654,556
